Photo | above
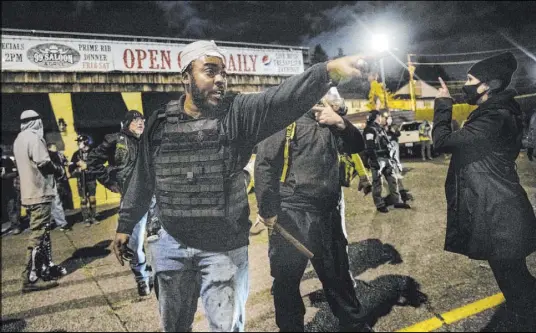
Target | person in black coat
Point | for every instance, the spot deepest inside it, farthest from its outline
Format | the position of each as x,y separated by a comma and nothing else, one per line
489,216
120,150
304,195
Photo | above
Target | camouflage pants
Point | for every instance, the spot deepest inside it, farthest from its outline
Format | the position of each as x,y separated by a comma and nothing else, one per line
40,216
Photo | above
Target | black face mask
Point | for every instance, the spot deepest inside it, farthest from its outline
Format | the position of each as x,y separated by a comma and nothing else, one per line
471,96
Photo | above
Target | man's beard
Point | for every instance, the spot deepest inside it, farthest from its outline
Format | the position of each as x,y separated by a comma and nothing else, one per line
137,132
201,101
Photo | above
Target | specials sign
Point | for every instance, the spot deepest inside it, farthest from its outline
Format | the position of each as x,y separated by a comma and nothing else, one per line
22,53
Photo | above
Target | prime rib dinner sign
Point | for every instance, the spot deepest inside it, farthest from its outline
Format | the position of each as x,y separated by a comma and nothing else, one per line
22,53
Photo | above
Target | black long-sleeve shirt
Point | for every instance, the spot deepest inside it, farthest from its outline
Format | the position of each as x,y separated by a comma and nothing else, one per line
250,119
312,181
120,150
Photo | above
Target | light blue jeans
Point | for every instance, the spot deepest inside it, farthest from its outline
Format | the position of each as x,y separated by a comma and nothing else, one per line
184,273
58,215
138,264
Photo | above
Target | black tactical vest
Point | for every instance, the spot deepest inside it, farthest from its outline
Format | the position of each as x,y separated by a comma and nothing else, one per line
194,186
383,144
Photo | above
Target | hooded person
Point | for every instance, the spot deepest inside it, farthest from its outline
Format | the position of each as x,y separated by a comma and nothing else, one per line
489,216
120,150
38,189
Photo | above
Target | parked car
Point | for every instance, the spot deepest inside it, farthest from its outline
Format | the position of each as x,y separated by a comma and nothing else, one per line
409,141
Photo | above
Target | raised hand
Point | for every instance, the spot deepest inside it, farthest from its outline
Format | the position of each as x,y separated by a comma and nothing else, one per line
345,68
443,91
327,116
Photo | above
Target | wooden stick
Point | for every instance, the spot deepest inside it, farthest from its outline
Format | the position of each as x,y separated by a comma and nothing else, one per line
296,243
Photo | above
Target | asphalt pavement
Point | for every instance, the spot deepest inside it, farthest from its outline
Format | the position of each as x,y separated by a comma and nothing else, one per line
404,278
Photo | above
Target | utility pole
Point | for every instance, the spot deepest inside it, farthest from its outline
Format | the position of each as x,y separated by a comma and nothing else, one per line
383,84
411,70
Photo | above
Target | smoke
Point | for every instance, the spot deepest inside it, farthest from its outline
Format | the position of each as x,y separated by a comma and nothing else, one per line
82,6
185,18
417,27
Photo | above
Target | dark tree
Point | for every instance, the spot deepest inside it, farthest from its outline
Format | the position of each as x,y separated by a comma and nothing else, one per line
340,54
319,55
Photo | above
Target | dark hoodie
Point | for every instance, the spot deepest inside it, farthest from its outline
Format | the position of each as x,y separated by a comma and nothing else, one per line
489,215
312,182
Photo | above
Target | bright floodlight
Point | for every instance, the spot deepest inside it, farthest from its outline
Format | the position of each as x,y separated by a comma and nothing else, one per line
380,43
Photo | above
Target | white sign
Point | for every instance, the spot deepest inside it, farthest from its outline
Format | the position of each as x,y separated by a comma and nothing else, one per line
21,53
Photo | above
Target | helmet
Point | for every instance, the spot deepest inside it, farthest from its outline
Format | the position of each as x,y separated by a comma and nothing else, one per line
86,139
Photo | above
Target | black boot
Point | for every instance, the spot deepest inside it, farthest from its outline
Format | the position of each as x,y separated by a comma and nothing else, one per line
406,196
93,214
388,200
382,209
402,205
31,277
86,216
54,271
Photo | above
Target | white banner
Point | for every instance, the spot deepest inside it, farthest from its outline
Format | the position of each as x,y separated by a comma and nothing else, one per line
21,53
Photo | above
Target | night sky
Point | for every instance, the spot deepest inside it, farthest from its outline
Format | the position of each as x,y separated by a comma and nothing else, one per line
412,27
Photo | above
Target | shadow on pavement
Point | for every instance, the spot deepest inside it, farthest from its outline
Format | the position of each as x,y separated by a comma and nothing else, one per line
65,284
378,296
366,254
75,216
80,303
12,325
86,255
406,170
504,321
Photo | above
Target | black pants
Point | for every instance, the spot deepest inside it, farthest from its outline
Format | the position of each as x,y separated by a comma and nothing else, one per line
322,234
11,207
86,192
517,285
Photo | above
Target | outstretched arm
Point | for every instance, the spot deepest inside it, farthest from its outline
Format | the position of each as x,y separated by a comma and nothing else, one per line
255,117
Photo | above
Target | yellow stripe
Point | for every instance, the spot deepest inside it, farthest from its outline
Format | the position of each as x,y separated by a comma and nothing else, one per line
133,100
286,154
456,314
473,308
63,108
359,166
424,326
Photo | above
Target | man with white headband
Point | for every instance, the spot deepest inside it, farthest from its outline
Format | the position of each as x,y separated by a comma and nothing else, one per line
192,157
